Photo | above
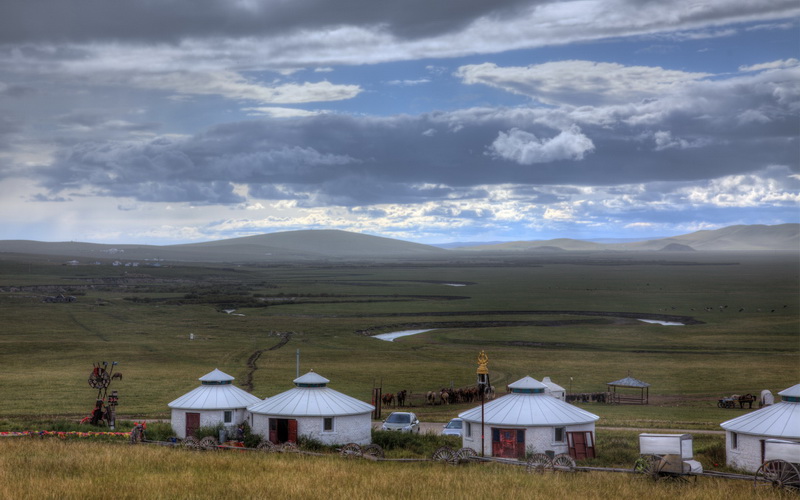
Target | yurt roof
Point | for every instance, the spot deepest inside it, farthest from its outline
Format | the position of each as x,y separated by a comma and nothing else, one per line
552,385
215,393
216,376
526,408
629,382
311,398
780,420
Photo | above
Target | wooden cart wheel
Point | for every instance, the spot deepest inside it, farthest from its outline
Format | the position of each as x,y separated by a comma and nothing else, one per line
538,462
373,451
649,466
463,455
778,474
266,446
563,463
190,443
209,443
351,450
289,447
443,454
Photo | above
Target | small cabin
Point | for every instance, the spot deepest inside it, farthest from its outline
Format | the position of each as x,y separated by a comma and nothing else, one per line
216,401
746,436
314,410
528,420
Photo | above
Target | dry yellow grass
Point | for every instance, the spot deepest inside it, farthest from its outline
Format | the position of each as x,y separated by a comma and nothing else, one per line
53,469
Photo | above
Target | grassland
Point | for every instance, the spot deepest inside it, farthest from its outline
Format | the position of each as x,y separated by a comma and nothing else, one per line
544,316
66,470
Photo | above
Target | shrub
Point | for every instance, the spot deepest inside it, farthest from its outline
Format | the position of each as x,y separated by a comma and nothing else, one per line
422,445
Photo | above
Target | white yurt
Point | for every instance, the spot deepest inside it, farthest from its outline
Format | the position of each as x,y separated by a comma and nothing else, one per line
554,389
529,420
216,401
314,410
745,435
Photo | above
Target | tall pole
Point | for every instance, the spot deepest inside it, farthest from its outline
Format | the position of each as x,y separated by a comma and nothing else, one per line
483,381
297,365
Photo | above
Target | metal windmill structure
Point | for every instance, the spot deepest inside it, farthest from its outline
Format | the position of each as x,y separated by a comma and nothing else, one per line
105,408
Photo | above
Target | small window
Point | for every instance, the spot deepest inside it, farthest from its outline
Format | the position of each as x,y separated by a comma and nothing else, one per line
228,417
468,429
327,424
559,435
734,440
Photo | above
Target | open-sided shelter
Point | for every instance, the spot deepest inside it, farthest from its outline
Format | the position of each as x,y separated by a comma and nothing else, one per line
527,420
630,386
216,401
745,435
314,410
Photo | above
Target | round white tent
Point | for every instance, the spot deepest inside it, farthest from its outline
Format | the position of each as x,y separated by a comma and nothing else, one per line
314,410
745,435
529,420
216,401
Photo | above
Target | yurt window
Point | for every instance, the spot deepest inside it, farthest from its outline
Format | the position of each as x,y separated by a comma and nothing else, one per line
734,440
327,424
468,429
228,416
559,438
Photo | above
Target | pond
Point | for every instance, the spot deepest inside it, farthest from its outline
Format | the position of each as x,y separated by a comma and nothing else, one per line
659,322
393,335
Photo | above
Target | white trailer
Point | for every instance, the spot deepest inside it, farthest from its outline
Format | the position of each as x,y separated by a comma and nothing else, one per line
781,467
666,456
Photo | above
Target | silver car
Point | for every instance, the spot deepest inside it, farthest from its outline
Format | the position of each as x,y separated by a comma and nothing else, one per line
453,428
401,421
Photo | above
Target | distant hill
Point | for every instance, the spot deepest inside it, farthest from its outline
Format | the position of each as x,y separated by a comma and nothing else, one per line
782,238
324,245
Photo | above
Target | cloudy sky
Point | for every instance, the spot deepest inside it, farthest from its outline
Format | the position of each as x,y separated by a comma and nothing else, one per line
178,121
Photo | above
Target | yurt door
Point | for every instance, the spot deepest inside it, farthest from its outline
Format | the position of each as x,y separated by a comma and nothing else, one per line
192,423
508,443
580,445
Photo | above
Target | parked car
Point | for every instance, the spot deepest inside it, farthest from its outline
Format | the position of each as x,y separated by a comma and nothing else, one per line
401,421
453,428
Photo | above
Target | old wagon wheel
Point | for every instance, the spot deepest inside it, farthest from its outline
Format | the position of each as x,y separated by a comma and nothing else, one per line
351,450
209,443
190,443
563,463
538,462
443,454
289,447
778,474
463,455
373,451
266,446
649,466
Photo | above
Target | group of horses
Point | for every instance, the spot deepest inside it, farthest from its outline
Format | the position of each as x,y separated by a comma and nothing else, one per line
395,400
443,396
458,395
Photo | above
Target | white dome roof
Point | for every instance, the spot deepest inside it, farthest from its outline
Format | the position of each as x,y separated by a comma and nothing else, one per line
529,406
216,393
781,420
311,398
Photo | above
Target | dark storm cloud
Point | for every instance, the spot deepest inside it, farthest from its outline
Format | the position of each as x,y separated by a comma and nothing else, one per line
347,160
172,20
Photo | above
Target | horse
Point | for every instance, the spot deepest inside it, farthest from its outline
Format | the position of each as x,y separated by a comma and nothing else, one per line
401,398
748,399
116,375
444,397
430,398
387,399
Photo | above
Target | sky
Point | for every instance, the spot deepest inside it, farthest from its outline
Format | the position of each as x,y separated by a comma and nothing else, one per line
177,121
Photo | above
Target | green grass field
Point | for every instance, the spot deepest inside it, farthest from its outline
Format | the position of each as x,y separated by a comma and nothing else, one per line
517,310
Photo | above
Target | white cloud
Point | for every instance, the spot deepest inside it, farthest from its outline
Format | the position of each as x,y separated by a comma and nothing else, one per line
276,112
779,64
579,82
526,149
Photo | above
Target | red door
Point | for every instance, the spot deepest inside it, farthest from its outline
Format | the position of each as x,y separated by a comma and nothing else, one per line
292,437
580,445
192,423
508,443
